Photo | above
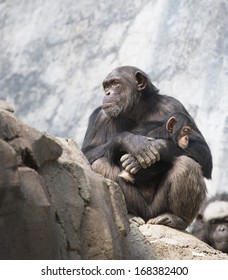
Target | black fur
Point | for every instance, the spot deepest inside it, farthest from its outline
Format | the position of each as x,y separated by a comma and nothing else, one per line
118,127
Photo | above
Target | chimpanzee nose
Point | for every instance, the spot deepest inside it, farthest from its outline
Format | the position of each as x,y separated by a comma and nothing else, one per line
221,228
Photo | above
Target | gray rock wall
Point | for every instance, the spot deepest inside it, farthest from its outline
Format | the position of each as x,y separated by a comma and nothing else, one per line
54,55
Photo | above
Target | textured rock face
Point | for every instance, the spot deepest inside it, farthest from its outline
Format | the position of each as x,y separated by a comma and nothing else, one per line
52,205
55,54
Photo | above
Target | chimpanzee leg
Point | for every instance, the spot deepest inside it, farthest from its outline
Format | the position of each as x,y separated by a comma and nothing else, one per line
180,195
135,202
103,167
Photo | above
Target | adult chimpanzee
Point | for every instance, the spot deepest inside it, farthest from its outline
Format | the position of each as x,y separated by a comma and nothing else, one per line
130,100
178,128
211,224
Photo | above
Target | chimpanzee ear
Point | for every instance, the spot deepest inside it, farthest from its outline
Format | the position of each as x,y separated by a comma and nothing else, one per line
141,80
170,124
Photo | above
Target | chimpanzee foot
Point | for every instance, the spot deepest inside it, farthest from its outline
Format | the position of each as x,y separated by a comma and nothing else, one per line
170,220
138,221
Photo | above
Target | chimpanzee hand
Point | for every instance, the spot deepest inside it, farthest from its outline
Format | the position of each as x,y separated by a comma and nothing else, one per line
130,163
143,149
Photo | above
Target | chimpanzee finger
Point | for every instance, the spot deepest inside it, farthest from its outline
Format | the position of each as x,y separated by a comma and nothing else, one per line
149,158
141,161
150,138
127,162
134,170
125,157
155,153
132,166
152,157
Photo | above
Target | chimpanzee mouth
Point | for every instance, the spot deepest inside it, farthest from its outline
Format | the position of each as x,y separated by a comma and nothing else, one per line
106,105
221,240
222,246
112,110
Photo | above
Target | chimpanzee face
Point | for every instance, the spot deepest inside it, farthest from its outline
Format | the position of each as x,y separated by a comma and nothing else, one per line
121,87
216,220
114,93
183,138
180,128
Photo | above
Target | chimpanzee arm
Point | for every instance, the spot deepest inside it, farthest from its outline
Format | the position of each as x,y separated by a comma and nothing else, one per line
167,154
95,144
197,150
200,152
168,151
105,138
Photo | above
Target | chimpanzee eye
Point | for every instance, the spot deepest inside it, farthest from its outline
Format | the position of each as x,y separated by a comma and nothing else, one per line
105,85
213,221
115,83
187,130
